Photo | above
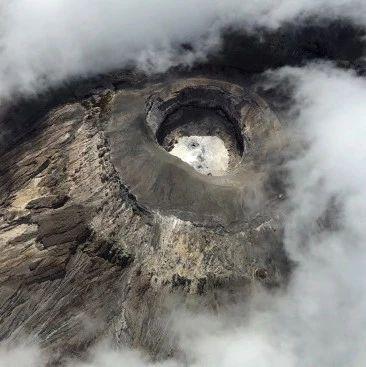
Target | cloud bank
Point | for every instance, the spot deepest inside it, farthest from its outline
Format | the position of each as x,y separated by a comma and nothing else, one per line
43,43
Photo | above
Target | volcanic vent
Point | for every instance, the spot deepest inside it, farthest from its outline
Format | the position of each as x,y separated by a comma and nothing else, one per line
198,128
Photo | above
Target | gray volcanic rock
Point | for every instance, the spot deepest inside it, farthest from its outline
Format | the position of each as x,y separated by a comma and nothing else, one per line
101,228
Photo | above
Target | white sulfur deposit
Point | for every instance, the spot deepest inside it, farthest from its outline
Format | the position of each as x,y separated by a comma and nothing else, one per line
206,154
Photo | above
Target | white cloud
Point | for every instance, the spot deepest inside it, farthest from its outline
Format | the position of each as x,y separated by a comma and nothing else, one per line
44,42
21,356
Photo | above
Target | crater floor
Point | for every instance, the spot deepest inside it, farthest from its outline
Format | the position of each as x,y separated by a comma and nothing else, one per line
206,154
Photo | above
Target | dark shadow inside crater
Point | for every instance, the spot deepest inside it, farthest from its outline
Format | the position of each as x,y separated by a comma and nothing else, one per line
162,114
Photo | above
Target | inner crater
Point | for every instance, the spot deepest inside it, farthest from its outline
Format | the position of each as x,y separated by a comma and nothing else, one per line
201,137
